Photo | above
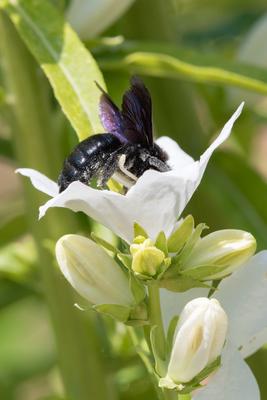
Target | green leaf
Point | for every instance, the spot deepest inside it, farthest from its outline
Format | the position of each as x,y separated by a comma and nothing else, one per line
126,259
164,60
181,284
104,243
180,236
139,231
70,68
161,243
203,272
160,364
138,290
171,331
116,311
191,242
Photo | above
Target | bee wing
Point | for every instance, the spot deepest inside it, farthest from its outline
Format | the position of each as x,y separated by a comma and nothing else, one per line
110,116
137,113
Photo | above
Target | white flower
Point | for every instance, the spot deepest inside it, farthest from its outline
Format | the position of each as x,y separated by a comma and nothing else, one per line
91,17
154,202
92,272
243,296
199,339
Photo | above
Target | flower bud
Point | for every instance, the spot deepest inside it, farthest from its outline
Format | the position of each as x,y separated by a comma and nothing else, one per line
199,339
147,259
92,272
228,248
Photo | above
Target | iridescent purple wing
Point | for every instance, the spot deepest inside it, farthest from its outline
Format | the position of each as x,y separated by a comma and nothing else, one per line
110,116
137,114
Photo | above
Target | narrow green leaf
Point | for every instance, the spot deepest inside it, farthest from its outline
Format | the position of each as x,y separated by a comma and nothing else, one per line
116,311
160,364
139,231
70,68
191,242
164,60
203,272
104,243
177,240
138,290
126,259
171,331
161,243
182,284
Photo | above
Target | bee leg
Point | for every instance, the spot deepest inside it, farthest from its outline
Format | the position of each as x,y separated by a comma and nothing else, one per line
157,164
124,170
107,170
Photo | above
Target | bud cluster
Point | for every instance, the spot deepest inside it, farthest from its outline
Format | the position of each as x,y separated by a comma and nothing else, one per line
122,286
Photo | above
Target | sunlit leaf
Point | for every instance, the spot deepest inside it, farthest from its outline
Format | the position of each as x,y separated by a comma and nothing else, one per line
71,69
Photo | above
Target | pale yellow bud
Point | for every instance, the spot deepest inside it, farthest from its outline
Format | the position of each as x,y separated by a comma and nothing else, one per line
147,259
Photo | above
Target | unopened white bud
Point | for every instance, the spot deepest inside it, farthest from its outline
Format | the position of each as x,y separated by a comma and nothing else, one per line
199,339
227,248
92,272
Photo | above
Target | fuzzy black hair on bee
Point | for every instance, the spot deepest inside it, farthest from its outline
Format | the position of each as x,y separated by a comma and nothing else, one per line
126,151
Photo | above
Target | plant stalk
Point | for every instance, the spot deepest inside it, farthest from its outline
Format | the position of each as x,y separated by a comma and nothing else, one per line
155,318
79,350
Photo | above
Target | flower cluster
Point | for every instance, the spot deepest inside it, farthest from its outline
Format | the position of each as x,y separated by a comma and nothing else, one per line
202,354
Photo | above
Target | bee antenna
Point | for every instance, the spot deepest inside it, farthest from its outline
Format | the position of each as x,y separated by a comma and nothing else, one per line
99,87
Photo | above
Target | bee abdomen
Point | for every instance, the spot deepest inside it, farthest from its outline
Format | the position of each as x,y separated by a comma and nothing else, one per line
87,159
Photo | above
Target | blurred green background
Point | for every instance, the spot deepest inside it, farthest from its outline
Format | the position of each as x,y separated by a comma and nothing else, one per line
43,337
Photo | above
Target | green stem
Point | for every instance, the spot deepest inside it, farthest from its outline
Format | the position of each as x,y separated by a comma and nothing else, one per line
78,346
155,317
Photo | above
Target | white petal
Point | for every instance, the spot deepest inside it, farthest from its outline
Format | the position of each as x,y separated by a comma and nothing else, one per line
107,207
177,157
154,202
173,303
40,181
233,381
225,133
244,297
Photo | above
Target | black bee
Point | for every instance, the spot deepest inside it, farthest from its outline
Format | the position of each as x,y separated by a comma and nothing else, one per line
124,153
